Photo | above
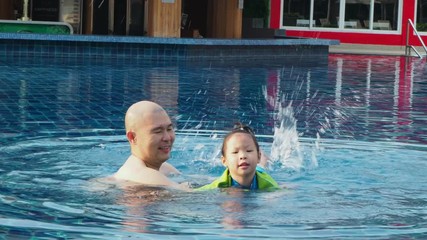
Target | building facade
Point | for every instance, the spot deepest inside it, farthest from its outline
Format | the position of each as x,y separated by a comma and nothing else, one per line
382,22
155,18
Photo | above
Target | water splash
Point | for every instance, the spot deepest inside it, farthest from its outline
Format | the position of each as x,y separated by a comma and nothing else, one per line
286,147
198,145
286,150
101,3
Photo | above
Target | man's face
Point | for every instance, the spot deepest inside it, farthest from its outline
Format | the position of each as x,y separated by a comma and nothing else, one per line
154,138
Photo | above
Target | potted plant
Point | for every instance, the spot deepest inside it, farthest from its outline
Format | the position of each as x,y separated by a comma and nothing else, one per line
258,11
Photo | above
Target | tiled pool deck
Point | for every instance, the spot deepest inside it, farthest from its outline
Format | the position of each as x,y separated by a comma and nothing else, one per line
188,49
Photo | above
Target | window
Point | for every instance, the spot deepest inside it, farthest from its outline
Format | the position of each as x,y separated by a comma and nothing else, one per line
421,20
357,14
296,13
382,15
326,13
385,15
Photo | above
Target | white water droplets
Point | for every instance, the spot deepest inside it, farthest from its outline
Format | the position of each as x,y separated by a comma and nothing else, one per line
286,147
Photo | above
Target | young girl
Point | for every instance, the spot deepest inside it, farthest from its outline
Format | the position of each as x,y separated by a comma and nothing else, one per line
241,155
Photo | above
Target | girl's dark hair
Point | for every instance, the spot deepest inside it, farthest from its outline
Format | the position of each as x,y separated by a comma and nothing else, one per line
239,128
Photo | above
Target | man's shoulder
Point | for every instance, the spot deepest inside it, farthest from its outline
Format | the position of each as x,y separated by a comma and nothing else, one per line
135,171
143,175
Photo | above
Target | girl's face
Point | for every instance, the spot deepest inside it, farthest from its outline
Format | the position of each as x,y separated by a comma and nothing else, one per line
241,157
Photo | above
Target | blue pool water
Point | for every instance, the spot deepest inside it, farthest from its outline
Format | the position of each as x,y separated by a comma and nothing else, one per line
347,135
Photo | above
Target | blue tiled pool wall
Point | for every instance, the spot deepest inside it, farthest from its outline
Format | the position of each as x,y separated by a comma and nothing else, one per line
114,62
23,48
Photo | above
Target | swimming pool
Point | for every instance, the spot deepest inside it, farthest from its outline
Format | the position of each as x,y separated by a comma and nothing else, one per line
347,136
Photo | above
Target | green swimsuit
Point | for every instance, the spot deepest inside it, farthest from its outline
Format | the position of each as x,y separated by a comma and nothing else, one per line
264,181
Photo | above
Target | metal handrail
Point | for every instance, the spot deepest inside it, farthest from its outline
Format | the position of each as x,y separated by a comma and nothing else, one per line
408,47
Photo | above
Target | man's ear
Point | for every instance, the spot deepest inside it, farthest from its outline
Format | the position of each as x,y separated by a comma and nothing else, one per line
131,136
224,161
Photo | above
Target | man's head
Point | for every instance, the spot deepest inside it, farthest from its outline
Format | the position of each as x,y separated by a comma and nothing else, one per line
150,133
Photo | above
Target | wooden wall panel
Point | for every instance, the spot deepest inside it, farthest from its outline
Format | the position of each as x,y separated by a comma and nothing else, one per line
6,10
164,19
87,18
224,19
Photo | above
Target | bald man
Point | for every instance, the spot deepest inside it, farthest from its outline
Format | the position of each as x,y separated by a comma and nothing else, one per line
151,135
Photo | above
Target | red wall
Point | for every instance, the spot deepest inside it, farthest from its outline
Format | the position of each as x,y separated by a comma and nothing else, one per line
352,37
275,14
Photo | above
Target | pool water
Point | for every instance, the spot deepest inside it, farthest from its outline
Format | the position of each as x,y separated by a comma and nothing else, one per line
346,135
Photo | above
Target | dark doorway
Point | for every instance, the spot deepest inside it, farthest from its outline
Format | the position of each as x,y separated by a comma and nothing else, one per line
197,12
100,17
136,17
119,18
